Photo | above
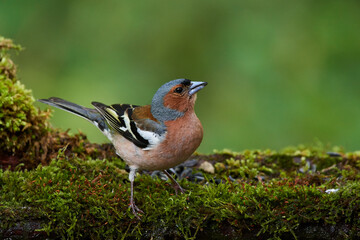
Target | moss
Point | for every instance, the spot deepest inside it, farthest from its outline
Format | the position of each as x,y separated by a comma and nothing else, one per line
21,123
89,198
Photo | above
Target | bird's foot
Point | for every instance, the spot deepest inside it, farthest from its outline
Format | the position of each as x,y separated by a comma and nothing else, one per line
175,185
135,210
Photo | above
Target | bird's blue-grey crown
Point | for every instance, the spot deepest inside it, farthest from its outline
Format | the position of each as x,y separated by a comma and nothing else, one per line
158,110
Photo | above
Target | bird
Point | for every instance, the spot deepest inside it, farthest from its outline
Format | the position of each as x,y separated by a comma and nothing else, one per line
151,137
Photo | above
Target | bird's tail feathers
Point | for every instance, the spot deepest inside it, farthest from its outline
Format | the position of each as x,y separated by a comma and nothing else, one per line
88,113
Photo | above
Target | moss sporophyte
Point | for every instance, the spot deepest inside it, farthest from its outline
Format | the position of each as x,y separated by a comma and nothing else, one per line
57,185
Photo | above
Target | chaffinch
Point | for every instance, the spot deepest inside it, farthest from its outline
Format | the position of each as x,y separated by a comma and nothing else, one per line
152,137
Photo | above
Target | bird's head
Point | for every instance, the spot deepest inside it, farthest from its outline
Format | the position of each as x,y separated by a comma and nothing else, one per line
174,98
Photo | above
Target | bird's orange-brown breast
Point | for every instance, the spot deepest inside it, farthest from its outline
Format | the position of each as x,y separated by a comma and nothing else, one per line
184,136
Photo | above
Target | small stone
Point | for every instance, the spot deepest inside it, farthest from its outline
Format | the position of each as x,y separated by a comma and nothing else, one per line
178,170
186,173
331,191
231,178
197,177
159,174
333,154
217,181
190,163
207,167
172,171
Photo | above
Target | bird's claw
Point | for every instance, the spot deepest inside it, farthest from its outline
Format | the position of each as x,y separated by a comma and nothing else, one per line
136,210
177,187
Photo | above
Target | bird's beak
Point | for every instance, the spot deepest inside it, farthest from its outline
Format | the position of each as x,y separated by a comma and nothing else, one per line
196,86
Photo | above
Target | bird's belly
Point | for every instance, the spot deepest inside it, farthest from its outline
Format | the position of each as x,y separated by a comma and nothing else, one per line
165,155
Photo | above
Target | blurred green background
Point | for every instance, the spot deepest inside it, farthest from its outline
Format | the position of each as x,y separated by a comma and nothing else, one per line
280,73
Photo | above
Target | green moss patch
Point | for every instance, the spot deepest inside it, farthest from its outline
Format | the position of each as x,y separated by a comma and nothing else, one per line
76,198
21,123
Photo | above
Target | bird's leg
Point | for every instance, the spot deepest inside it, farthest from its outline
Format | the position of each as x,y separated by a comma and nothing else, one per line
134,208
174,183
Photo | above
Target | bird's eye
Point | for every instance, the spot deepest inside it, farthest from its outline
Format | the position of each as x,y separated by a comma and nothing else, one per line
178,90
